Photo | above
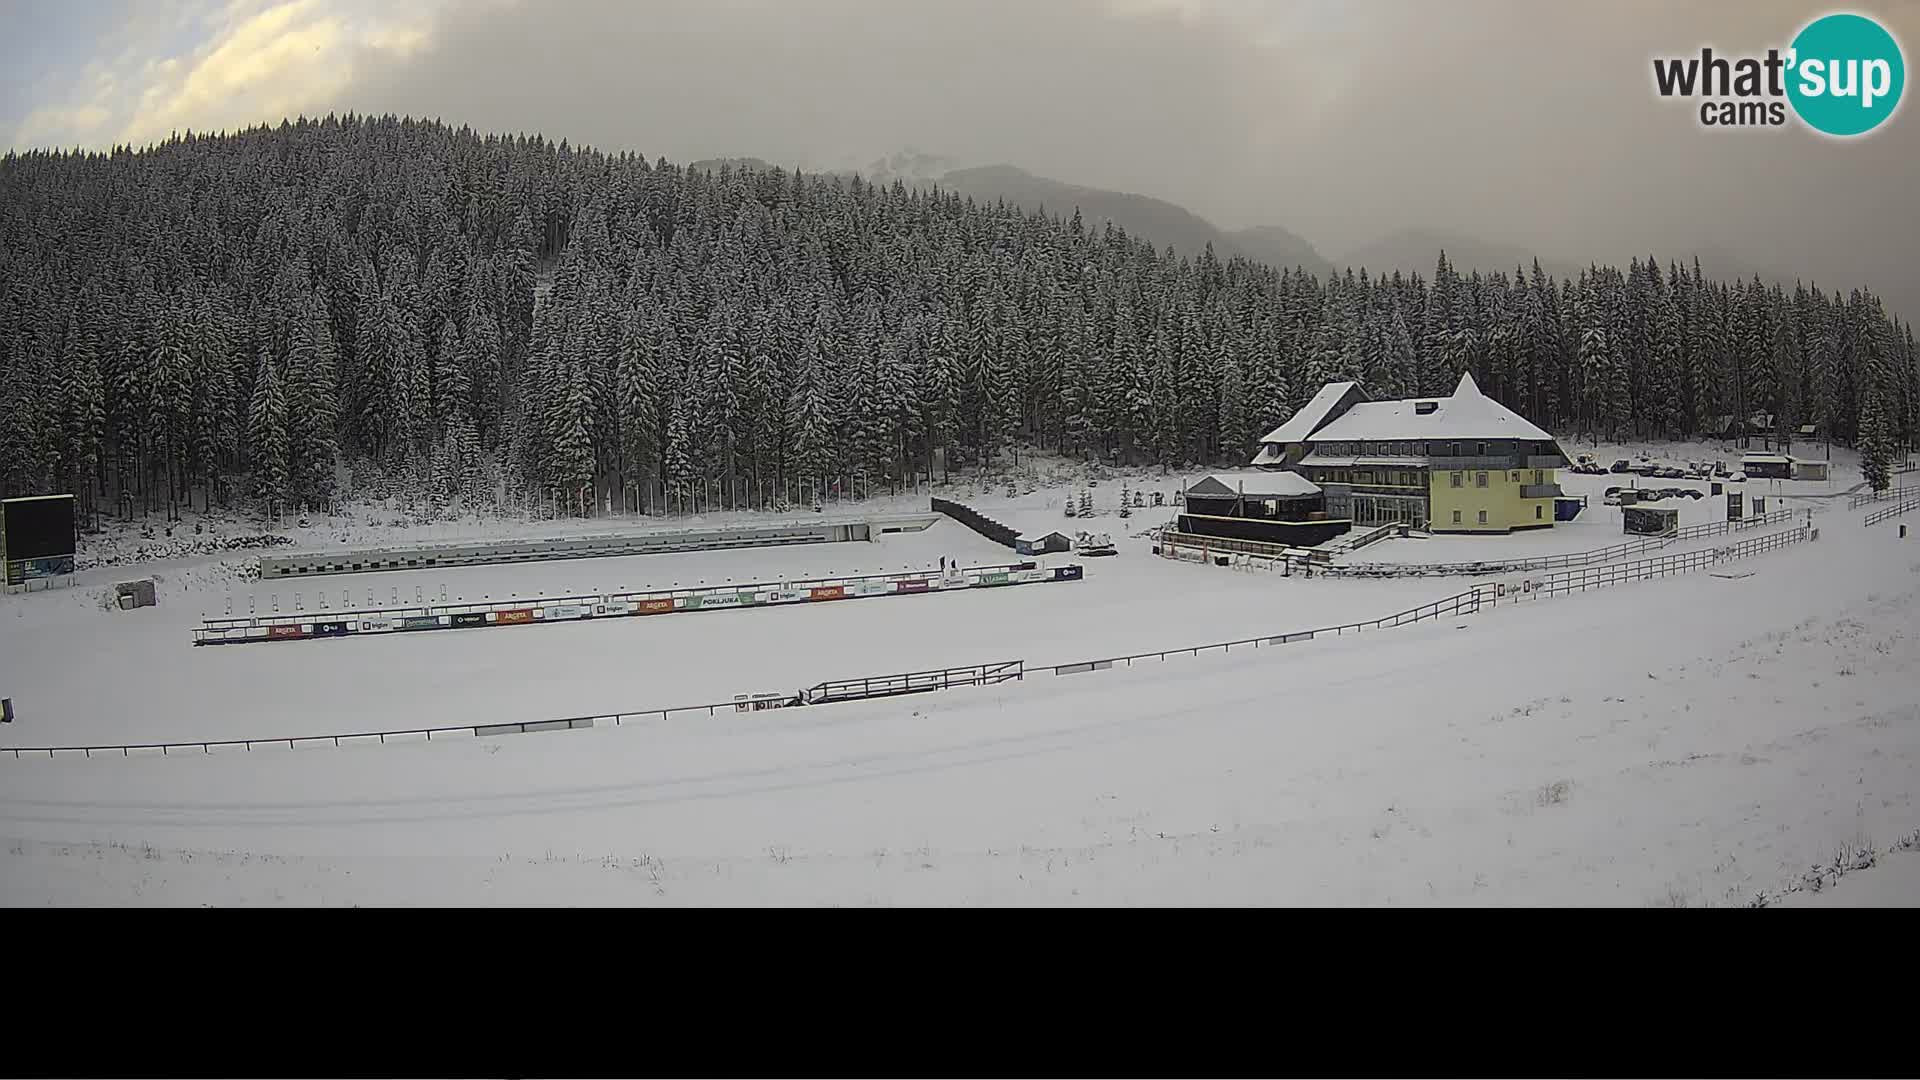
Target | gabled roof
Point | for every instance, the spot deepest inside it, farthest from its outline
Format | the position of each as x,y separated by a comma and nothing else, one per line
1260,485
1468,414
1311,415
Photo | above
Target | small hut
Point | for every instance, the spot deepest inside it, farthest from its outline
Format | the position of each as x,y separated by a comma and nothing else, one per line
1648,519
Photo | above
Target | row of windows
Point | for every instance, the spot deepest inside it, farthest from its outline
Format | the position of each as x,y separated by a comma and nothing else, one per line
1390,477
1538,515
1436,449
1480,478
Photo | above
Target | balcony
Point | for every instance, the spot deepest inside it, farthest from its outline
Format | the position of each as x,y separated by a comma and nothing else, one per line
1498,463
1540,491
1547,461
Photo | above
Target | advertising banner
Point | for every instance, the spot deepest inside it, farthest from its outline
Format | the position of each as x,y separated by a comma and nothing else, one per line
21,571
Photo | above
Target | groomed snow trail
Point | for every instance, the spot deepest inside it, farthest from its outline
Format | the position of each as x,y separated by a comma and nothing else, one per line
1693,741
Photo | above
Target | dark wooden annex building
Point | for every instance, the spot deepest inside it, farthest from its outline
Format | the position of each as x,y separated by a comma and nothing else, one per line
1269,507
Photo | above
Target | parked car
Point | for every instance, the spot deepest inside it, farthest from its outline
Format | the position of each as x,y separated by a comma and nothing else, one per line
1737,478
1621,466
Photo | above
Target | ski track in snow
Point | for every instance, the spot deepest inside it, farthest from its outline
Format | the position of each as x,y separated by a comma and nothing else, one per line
1681,742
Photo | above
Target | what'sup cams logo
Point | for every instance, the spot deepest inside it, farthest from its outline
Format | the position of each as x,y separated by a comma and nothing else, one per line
1842,76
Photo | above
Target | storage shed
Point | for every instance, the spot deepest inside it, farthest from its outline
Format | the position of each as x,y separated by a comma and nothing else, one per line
1767,466
1042,544
1809,470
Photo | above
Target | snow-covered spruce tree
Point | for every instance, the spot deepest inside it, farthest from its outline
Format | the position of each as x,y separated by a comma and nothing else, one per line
267,431
197,256
1876,439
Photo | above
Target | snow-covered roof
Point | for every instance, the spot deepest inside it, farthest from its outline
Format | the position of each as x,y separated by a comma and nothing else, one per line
1468,414
1311,415
1260,485
1771,459
1270,454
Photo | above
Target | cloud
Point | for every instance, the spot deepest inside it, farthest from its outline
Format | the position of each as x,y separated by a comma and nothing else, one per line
62,124
224,66
1511,120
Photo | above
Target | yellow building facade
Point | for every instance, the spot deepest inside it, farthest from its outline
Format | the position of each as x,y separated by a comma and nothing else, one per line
1463,463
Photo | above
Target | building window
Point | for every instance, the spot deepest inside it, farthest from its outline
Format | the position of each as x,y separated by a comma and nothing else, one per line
1482,452
1483,517
1516,476
1536,512
1479,479
1456,479
1537,478
1456,517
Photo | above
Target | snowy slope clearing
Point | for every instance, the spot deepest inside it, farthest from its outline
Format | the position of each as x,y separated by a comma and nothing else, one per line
1696,740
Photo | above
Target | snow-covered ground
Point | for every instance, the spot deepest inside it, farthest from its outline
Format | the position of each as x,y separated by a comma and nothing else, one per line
1893,881
1695,740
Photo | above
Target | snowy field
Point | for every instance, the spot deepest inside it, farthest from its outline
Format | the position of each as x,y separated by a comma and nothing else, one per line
1694,741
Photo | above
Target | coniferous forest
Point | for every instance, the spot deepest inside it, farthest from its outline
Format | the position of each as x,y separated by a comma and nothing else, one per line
221,320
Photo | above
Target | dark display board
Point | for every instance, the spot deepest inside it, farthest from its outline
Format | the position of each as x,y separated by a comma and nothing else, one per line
37,535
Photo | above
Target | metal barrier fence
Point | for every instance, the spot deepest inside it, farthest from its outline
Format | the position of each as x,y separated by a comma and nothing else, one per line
1481,597
1878,516
913,682
1715,528
1901,492
1544,562
366,737
539,610
443,555
832,691
1599,577
1171,540
1553,562
1466,603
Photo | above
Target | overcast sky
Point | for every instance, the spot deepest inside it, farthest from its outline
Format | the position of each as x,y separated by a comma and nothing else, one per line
1530,122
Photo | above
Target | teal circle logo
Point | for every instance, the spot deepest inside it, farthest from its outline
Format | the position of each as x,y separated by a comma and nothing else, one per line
1846,76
